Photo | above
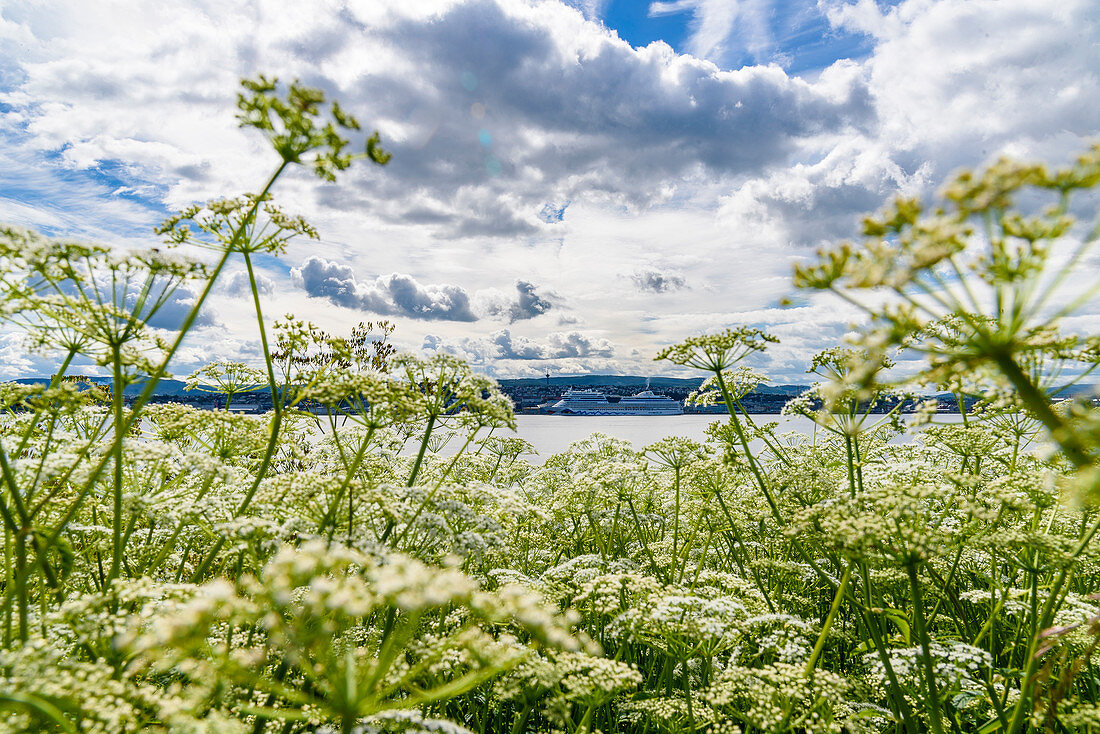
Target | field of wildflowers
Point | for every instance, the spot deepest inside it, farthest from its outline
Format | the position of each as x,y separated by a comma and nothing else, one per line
167,569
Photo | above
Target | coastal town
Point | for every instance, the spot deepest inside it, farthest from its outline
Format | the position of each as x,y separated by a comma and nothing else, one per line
533,396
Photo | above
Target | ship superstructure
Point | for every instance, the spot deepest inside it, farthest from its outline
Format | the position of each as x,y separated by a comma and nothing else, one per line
593,402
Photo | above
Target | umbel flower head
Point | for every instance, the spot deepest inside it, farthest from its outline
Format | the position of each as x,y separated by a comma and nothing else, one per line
987,279
295,129
227,378
449,387
248,223
90,300
717,352
676,452
738,383
295,125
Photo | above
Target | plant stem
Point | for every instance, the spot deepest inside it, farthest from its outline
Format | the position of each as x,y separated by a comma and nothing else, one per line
932,699
116,450
828,623
420,454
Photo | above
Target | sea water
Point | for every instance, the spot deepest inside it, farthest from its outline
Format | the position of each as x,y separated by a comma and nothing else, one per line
552,434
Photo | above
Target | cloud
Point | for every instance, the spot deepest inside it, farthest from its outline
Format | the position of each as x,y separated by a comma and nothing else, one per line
503,345
501,112
982,75
712,23
519,347
656,281
526,304
576,113
16,361
529,303
62,202
492,108
175,309
956,84
551,213
592,9
390,295
813,204
236,284
716,25
577,344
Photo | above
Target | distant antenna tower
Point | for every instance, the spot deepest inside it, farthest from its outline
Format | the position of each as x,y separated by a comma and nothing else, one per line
548,378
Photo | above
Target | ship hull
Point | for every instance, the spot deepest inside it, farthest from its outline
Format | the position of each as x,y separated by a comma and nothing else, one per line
613,412
591,402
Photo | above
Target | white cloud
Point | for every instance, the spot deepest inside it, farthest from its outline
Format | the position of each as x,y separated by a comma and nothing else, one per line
655,280
592,9
717,24
400,294
236,283
503,345
531,146
568,109
391,294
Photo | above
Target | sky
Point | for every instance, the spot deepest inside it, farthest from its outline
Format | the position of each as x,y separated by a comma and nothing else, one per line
574,185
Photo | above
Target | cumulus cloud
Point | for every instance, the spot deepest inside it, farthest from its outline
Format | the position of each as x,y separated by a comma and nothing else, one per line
519,347
502,113
529,304
491,107
955,83
503,345
175,309
716,25
526,303
391,295
569,109
236,284
16,361
653,280
577,344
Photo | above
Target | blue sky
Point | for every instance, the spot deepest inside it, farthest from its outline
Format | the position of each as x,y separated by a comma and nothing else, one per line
564,193
634,24
794,34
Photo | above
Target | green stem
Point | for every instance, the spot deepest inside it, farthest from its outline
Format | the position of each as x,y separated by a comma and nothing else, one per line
676,518
21,581
851,466
871,624
932,702
349,476
423,448
763,484
812,662
276,405
518,727
1039,404
116,449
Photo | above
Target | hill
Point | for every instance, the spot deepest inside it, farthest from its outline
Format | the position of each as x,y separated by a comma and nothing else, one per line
164,387
683,383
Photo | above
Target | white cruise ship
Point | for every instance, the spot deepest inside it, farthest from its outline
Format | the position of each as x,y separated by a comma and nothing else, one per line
593,402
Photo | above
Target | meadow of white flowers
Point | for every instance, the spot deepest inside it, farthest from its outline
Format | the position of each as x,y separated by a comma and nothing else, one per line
168,569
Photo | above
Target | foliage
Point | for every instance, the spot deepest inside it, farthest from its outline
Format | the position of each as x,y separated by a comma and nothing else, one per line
372,556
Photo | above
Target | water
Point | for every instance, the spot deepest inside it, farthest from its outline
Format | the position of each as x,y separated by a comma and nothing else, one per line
552,434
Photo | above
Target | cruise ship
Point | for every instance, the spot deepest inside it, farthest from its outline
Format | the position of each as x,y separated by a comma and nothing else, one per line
593,402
